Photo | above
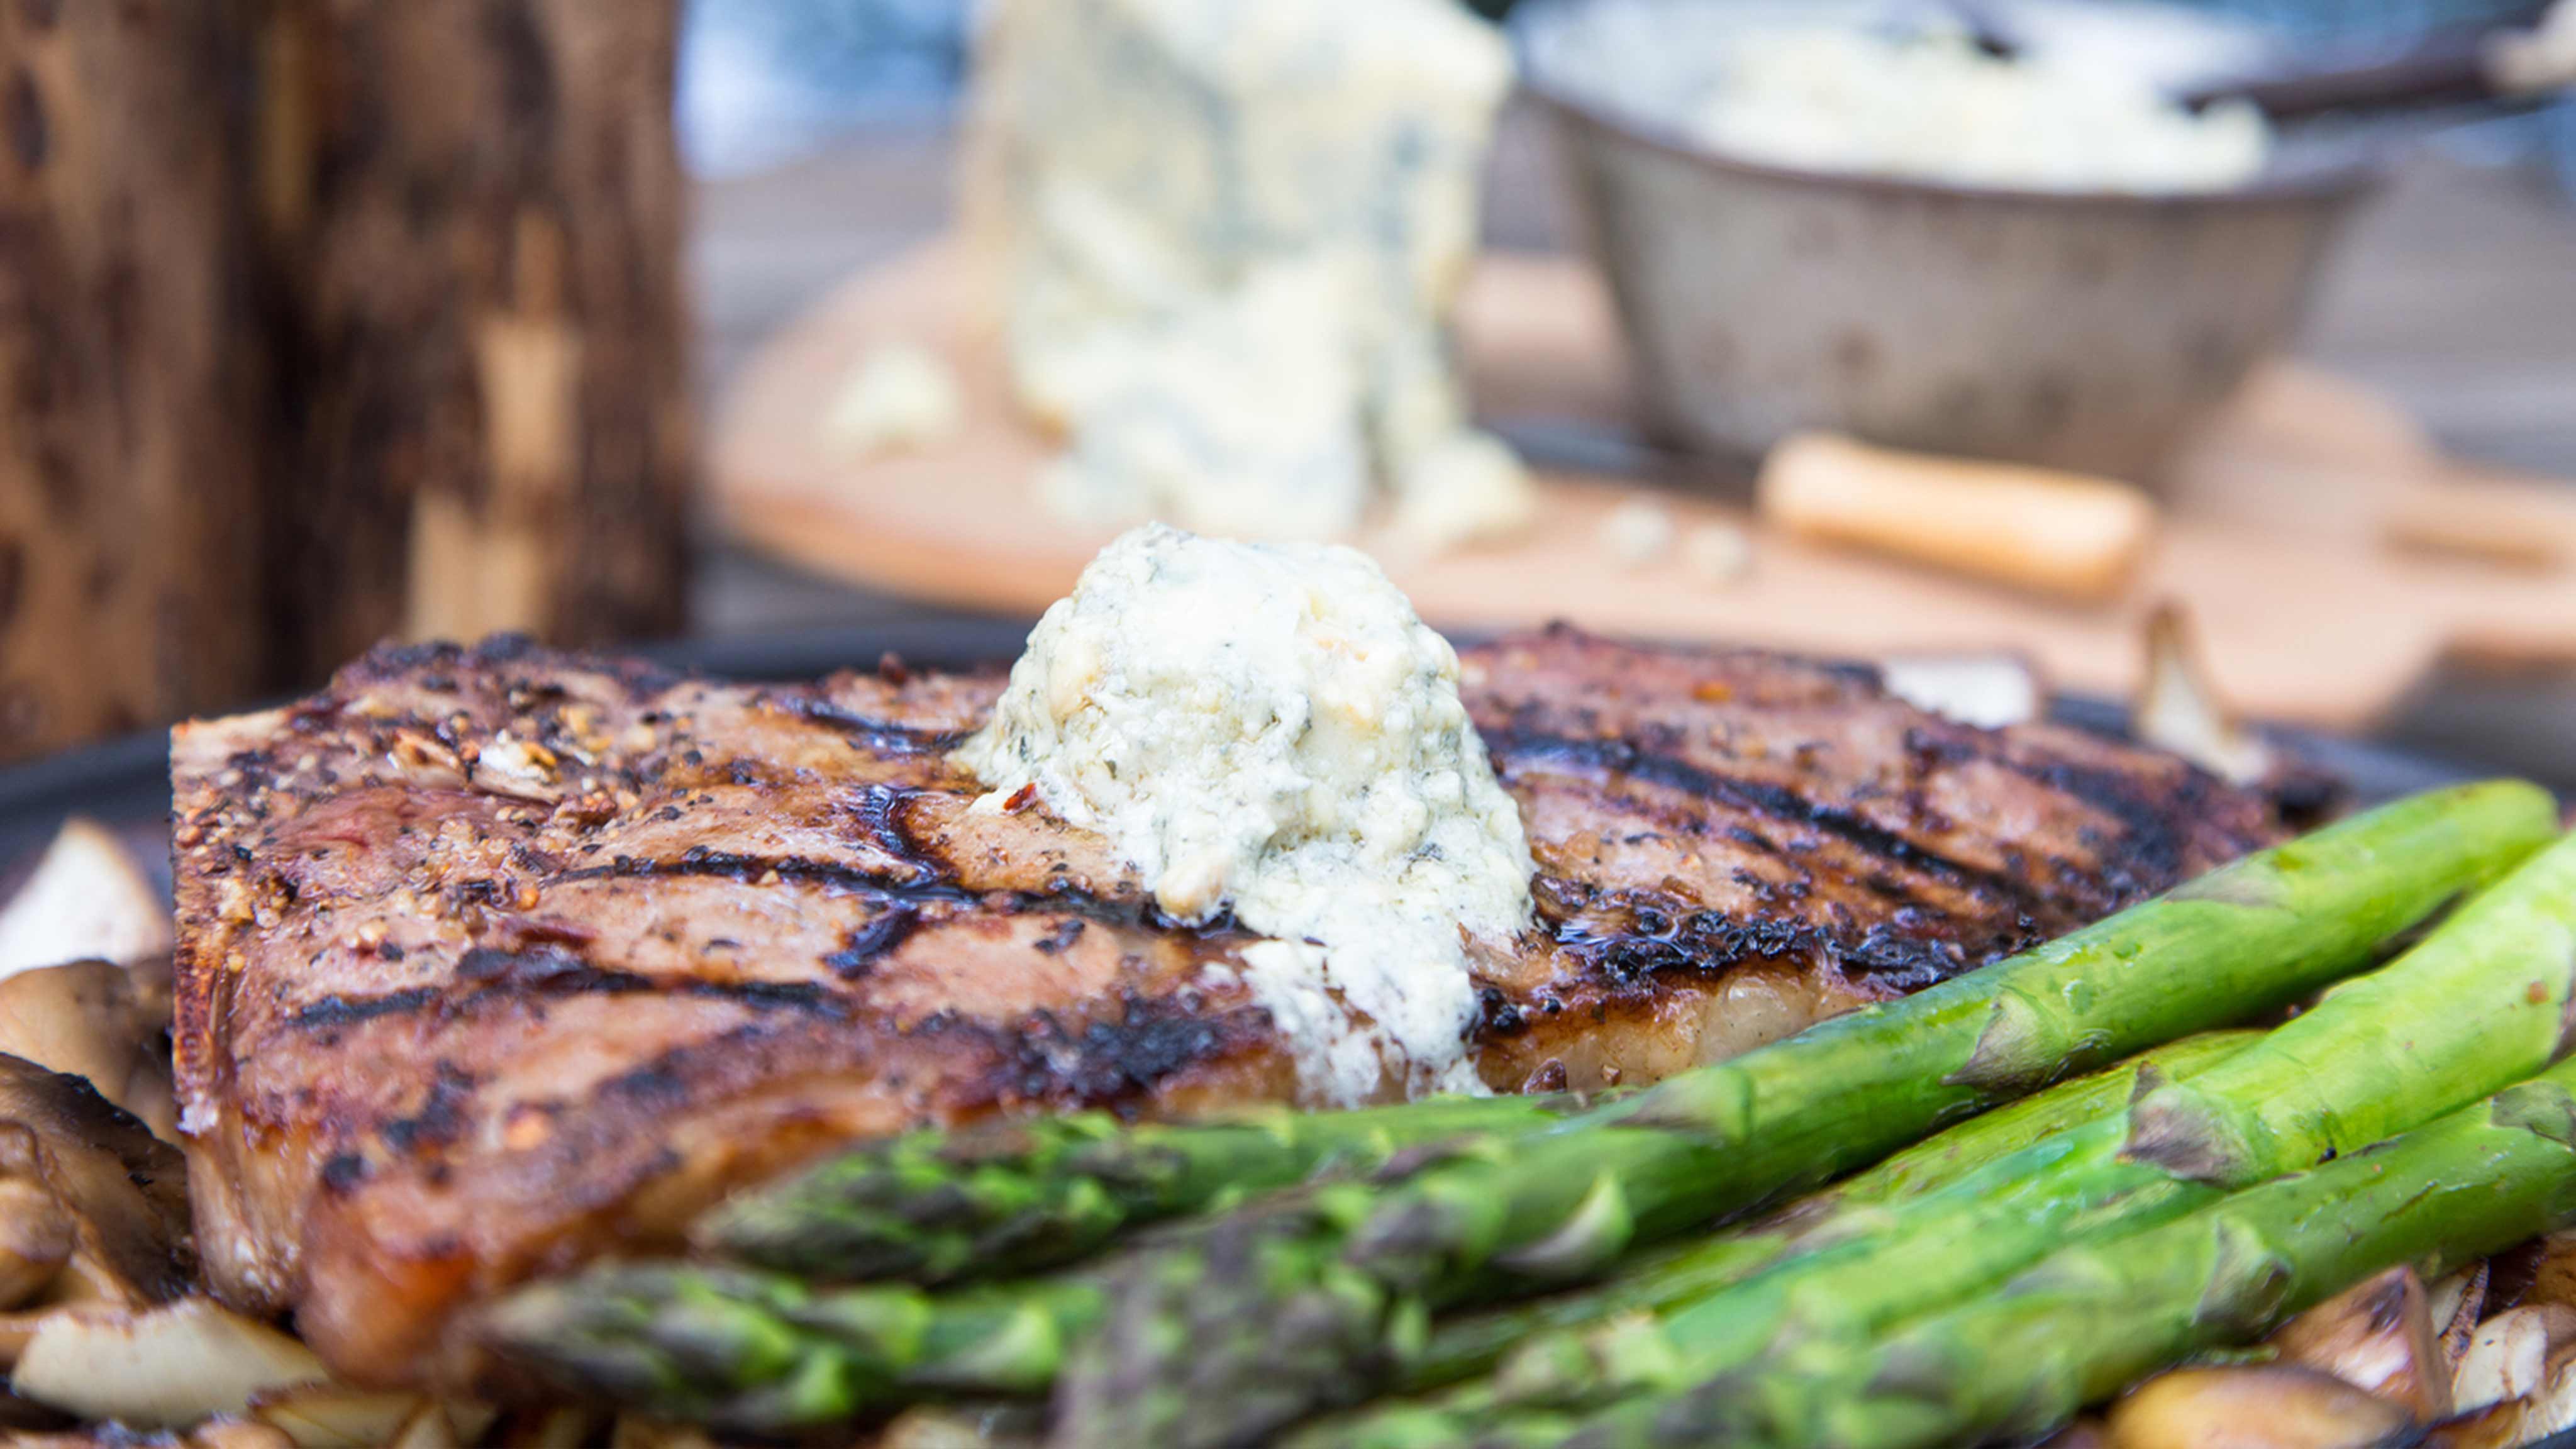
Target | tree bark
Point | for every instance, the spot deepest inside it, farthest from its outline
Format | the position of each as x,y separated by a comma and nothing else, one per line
327,321
129,448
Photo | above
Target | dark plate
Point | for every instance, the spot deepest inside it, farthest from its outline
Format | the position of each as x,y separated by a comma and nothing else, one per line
125,782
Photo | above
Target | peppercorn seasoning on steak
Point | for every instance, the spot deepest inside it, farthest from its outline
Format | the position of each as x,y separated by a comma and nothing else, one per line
494,959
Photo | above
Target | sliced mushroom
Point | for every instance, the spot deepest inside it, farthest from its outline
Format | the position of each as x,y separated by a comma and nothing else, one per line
2265,1406
163,1368
2179,709
445,1424
2553,1409
2546,1401
2457,1303
86,899
2497,1426
121,1191
1986,690
237,1382
100,1020
238,1434
36,1240
961,1426
2547,1410
428,1429
2553,1271
2378,1337
2510,1354
324,1415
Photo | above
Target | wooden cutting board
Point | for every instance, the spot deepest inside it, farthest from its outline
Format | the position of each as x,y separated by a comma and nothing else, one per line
2276,537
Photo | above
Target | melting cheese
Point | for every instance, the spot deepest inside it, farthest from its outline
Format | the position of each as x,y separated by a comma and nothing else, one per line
1272,729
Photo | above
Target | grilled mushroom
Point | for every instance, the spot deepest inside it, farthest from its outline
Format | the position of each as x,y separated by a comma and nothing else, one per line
2377,1336
2552,1261
162,1368
2265,1406
2509,1356
97,1019
95,1207
2458,1302
2179,709
87,898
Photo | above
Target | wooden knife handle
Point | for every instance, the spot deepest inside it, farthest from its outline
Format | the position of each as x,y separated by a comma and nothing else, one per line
2064,534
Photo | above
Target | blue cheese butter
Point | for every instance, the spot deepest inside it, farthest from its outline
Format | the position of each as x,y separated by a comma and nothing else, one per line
1271,729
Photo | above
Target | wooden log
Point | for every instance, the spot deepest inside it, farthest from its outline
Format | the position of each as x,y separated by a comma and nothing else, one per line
471,217
325,322
129,387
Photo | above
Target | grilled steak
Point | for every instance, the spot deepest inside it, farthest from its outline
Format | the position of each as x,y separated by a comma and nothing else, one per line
493,959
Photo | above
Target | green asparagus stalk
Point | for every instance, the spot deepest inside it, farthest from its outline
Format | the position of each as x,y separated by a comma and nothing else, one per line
2481,1002
2093,1318
1007,1199
764,1352
1669,1276
1290,1306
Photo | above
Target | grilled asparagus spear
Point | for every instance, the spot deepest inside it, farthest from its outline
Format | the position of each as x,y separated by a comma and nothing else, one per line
997,1201
760,1352
1468,1344
2090,1319
765,1352
2479,1003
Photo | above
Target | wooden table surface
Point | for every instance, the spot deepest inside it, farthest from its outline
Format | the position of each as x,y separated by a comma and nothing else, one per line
2455,294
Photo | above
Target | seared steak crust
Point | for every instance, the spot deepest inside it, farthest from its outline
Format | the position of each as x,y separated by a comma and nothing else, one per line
494,959
1731,844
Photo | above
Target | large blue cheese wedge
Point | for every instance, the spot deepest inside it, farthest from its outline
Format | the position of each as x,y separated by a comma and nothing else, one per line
1235,228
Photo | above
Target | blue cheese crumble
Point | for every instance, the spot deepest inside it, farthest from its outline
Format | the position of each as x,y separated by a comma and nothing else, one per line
1232,235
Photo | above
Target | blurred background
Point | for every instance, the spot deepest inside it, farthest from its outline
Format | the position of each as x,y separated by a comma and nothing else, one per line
2220,356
